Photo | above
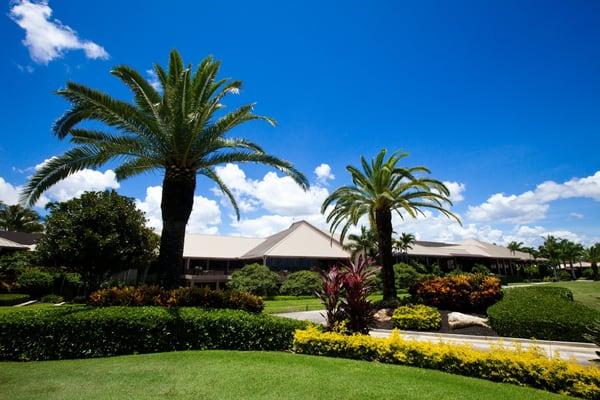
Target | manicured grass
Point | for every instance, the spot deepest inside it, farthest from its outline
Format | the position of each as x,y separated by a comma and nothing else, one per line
242,375
587,293
284,304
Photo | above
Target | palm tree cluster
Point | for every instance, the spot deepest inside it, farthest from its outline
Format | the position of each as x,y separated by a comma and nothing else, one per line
379,189
179,129
16,218
567,253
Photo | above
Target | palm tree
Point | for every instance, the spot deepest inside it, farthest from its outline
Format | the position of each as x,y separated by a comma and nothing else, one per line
379,189
404,242
179,130
515,246
17,218
364,244
550,250
570,252
592,254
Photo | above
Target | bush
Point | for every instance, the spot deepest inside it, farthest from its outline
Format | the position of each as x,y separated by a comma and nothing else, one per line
182,297
466,292
81,332
11,299
52,298
255,278
541,313
550,278
588,273
301,283
35,282
406,275
417,317
480,269
531,271
520,366
564,275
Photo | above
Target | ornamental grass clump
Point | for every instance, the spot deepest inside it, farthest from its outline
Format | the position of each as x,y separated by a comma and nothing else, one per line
521,366
417,317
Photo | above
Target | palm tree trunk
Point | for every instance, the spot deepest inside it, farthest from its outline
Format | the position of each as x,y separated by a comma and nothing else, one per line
176,205
383,220
572,270
595,270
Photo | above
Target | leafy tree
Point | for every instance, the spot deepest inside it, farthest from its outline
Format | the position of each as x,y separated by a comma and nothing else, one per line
550,250
97,234
404,242
570,252
406,275
301,283
381,188
364,244
255,278
17,218
179,129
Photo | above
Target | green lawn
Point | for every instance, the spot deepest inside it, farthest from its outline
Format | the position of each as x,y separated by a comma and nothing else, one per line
283,304
587,293
241,375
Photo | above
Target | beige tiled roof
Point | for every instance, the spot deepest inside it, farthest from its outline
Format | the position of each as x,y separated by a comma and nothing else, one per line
468,248
9,244
212,246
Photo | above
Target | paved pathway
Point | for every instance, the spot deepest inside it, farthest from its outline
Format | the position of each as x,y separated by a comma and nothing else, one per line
582,353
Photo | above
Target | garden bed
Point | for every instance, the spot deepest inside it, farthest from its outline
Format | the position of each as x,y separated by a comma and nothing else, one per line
445,328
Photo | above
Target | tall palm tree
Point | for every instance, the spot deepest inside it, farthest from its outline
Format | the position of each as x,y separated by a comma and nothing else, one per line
364,244
515,246
570,252
17,218
179,130
404,242
550,250
592,254
379,189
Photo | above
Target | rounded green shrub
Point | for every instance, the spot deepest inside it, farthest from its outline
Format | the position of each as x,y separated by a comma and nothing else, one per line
83,332
301,283
564,275
417,317
406,275
11,299
52,298
35,281
541,313
255,278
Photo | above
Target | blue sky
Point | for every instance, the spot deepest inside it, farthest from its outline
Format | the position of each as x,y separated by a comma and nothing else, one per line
497,98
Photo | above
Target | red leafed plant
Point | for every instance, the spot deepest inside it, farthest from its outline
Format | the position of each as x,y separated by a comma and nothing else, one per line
329,294
345,294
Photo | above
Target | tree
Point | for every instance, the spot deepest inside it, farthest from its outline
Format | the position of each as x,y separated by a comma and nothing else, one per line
592,254
379,189
404,242
17,218
570,252
364,244
179,129
97,234
515,246
550,250
255,278
301,283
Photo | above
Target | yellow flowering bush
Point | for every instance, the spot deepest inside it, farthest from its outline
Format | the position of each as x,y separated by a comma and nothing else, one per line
419,317
520,366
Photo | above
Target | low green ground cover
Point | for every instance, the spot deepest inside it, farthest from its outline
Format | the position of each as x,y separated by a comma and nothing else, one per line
242,375
541,312
587,293
10,299
285,304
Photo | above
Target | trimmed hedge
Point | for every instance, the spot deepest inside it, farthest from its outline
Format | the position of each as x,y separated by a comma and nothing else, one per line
527,367
418,317
182,297
463,292
542,313
83,332
11,299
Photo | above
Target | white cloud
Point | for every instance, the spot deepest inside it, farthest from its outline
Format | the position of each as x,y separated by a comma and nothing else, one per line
9,194
533,205
576,215
153,79
275,194
205,217
533,235
323,173
456,191
47,38
78,183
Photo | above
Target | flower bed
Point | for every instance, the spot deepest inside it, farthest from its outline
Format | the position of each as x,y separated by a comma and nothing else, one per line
418,317
522,367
